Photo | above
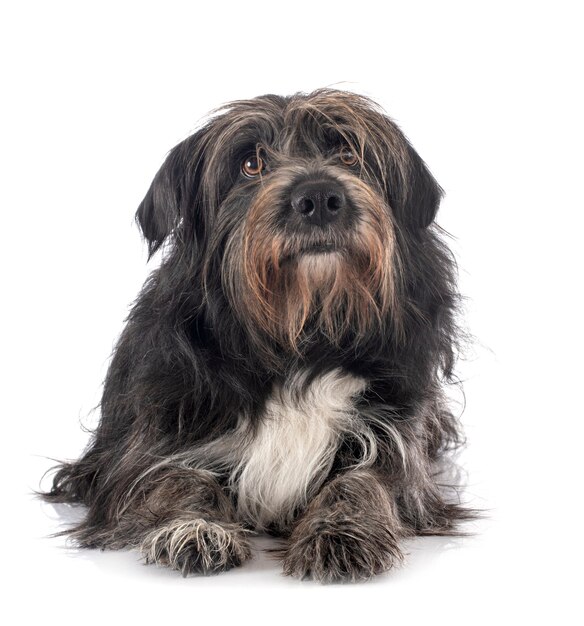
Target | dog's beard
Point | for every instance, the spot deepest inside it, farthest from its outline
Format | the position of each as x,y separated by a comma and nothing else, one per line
323,291
290,286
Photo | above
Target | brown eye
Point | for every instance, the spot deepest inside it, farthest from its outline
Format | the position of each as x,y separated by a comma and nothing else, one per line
348,157
252,166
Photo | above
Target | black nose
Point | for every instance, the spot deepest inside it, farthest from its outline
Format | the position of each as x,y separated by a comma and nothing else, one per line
318,202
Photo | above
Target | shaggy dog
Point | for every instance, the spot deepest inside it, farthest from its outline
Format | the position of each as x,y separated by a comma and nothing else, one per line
283,368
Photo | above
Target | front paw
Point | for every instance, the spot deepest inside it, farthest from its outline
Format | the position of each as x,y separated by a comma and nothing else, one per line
197,546
340,548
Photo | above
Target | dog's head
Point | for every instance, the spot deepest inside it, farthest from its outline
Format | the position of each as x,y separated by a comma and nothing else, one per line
293,209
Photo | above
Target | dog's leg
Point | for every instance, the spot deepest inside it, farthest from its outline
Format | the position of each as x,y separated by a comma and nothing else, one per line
197,531
350,531
177,517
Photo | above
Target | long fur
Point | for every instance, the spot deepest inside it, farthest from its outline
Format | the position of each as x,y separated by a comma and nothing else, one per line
274,375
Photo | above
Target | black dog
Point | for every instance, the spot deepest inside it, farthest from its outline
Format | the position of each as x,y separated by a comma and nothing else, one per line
282,369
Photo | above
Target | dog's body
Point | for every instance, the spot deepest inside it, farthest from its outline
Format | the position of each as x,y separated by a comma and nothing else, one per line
281,370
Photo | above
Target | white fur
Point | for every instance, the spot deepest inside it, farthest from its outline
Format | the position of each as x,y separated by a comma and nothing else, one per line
320,268
276,467
291,453
215,543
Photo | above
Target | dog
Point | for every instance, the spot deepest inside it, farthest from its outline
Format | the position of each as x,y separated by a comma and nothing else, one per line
283,370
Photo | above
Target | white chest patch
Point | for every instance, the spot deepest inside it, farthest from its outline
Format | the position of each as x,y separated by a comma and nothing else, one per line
291,452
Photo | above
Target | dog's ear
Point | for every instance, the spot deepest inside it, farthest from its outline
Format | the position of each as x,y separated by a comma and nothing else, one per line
420,199
172,192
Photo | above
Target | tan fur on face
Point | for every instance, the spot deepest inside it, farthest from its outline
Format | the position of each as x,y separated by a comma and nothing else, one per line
274,288
280,288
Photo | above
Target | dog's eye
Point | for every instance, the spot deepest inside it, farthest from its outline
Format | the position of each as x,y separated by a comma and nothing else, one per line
348,157
252,166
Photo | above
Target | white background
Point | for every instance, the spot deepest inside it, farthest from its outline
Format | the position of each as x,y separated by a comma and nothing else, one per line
95,94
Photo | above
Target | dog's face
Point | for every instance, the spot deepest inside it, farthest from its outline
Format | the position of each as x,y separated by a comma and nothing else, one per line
295,210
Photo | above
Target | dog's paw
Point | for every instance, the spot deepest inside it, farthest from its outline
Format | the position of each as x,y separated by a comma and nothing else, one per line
341,549
197,546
